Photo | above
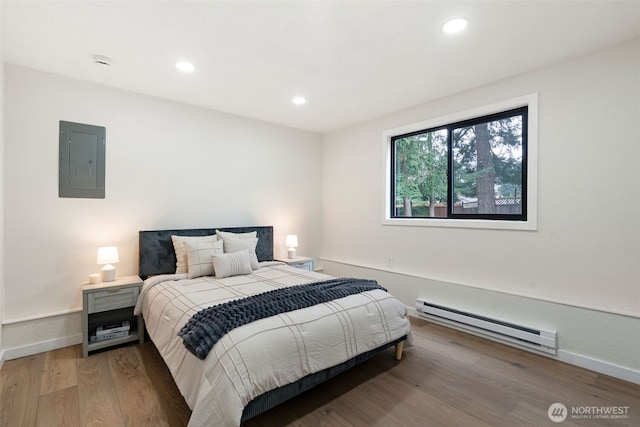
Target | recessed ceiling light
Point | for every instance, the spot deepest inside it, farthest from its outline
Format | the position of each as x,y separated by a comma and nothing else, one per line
185,66
455,25
299,100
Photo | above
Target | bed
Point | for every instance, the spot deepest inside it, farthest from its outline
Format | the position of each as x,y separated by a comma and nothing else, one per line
262,363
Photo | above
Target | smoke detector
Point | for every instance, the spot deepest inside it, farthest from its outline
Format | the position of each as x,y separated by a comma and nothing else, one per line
102,60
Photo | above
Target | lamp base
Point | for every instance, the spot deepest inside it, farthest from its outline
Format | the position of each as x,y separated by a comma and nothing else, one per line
108,273
292,253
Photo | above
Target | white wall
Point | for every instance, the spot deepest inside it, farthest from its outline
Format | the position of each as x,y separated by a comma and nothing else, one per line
1,193
585,252
168,165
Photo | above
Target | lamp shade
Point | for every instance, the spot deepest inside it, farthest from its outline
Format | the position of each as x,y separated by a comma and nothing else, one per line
291,241
107,255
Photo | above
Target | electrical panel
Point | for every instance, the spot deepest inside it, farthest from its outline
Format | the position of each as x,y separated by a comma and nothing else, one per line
82,160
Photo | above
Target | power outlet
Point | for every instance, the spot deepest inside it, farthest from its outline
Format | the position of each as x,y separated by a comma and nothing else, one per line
390,261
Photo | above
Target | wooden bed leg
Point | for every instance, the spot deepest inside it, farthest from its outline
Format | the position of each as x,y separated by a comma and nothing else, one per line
399,348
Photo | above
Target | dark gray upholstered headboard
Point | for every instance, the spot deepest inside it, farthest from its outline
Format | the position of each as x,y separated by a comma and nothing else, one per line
158,257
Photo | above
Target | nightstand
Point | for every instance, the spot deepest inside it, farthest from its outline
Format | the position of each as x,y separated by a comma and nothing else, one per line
108,303
299,262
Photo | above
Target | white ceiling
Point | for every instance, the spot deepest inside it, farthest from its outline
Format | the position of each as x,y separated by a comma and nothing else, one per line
352,60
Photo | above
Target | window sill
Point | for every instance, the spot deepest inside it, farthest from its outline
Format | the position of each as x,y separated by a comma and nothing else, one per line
528,225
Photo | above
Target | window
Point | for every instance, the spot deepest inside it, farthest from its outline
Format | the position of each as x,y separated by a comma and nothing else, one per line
469,167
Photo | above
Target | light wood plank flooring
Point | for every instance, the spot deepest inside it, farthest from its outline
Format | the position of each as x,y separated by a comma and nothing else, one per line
447,378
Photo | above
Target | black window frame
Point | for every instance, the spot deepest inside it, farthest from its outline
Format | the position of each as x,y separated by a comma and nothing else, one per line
522,111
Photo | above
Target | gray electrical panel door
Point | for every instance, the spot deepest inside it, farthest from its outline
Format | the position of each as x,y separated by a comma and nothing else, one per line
82,160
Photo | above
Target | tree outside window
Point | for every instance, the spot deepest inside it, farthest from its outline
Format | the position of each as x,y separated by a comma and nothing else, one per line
471,169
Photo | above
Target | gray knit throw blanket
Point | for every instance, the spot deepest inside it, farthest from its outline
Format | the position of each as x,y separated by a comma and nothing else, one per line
207,326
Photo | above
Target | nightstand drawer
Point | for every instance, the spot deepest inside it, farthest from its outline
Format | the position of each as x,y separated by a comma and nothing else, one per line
301,262
305,265
112,299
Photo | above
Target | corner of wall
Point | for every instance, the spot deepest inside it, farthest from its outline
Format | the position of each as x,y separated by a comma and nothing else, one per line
1,194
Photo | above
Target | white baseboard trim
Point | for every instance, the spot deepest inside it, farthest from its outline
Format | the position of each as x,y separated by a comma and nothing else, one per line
41,347
1,358
600,366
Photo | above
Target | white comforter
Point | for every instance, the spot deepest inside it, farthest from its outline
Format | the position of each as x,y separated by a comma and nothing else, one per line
266,354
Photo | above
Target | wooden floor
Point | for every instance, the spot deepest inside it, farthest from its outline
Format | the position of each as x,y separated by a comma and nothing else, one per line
447,378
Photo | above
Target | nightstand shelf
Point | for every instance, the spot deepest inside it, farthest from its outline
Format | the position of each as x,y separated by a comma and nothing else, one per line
108,303
299,262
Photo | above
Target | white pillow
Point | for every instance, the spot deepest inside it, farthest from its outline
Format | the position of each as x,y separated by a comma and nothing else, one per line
181,250
230,235
232,264
236,245
199,257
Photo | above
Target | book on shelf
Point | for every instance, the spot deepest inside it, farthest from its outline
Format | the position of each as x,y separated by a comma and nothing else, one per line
109,336
112,328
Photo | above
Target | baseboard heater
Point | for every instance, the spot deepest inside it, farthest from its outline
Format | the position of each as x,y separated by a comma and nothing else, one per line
509,333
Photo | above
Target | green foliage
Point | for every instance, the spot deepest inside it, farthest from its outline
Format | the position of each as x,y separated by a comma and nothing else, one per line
421,167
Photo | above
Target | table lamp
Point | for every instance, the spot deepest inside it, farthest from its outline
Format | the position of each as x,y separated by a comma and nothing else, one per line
108,255
291,242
